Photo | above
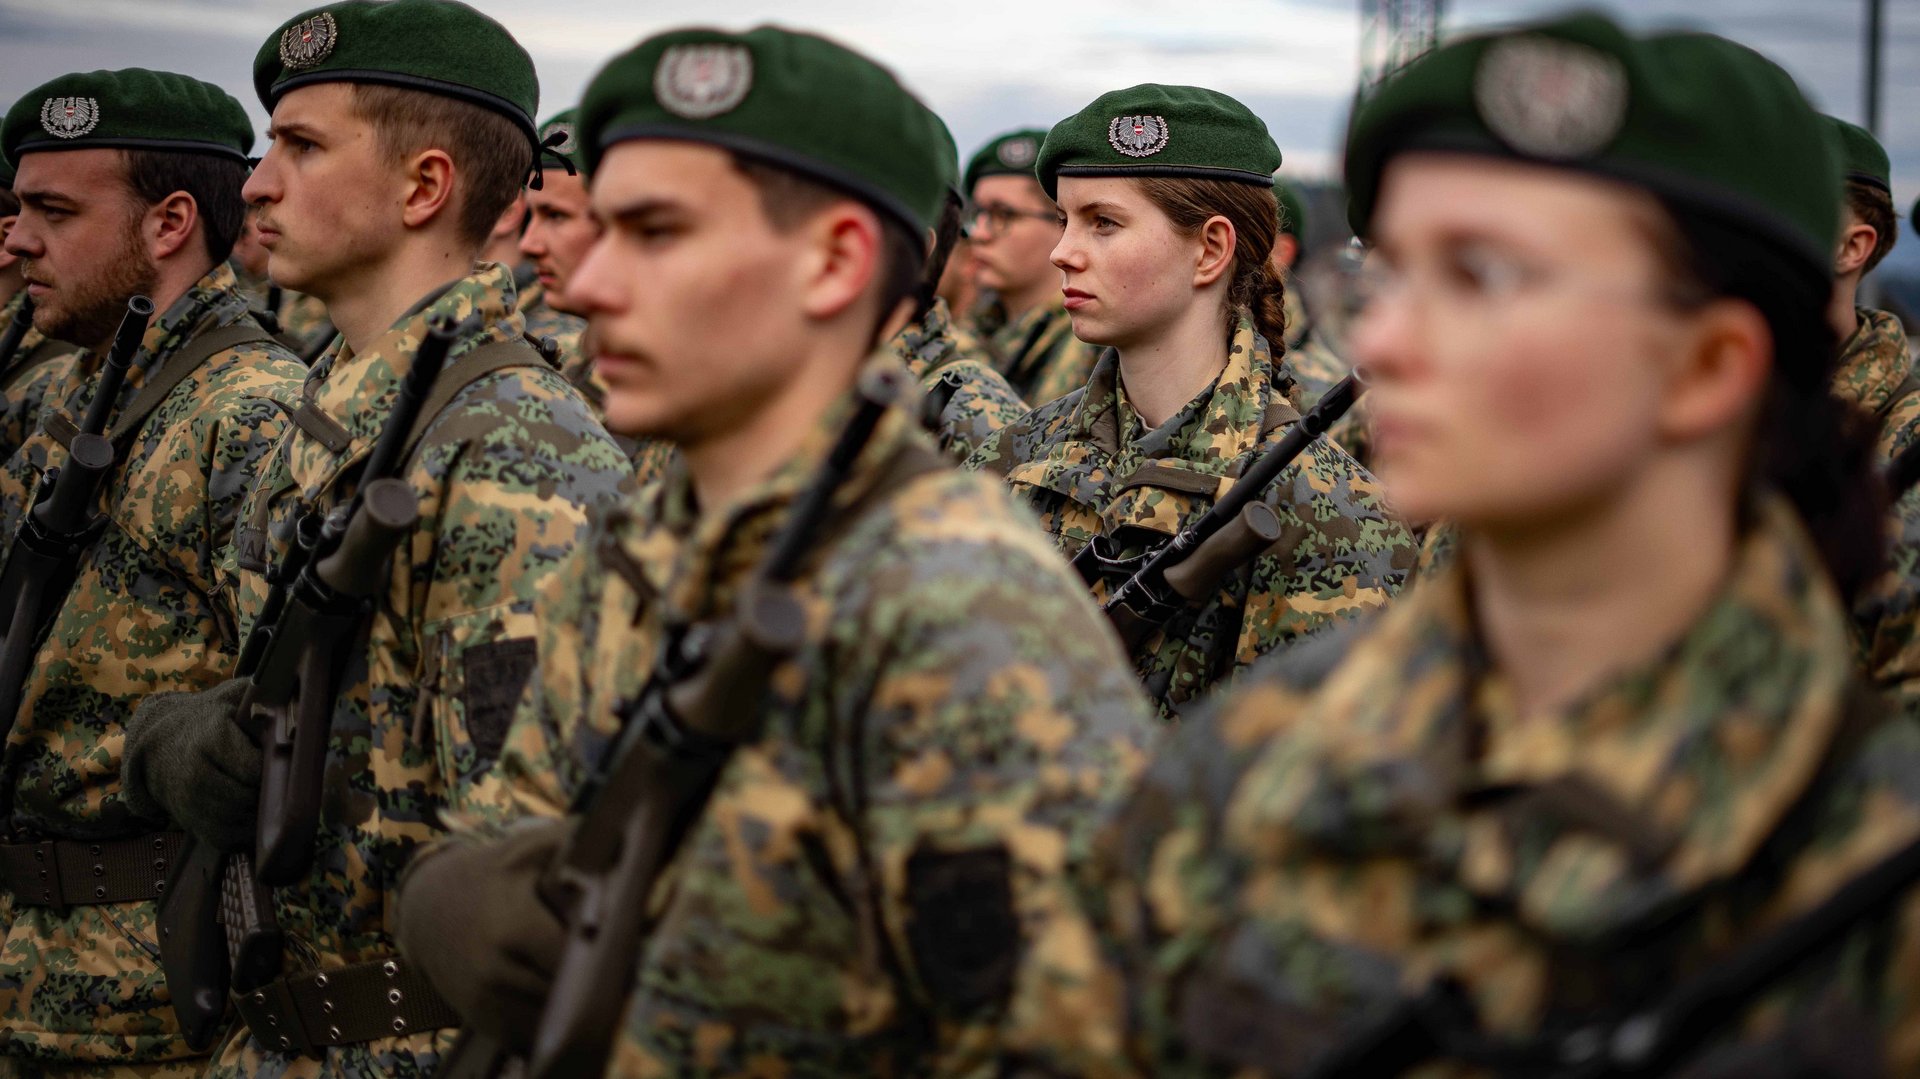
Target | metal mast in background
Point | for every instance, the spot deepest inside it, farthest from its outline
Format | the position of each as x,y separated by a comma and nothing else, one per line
1394,32
1876,24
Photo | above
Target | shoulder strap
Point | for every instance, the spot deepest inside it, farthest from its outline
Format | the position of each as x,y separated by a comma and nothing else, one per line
464,372
175,371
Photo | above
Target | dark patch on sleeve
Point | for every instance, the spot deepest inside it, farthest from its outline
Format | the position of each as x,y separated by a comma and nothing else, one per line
496,674
965,938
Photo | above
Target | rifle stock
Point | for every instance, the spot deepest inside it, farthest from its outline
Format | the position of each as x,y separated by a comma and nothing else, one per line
1184,573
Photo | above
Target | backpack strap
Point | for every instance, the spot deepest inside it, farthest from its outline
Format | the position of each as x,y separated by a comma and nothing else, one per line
463,372
175,371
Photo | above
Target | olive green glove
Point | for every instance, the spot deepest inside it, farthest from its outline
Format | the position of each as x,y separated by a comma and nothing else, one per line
188,761
472,918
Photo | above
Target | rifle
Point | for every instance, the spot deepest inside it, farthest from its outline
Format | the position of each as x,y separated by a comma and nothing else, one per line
321,591
16,331
1645,1042
706,698
62,524
1184,573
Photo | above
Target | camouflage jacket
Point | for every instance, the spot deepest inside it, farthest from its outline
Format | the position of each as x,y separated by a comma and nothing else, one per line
954,720
1038,352
1886,616
1086,467
506,478
1302,861
1877,376
304,323
148,613
967,399
37,365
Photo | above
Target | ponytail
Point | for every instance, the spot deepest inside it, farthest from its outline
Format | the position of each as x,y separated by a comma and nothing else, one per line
1255,215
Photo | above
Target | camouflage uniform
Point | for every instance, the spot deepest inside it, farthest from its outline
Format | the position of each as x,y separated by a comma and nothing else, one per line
36,366
304,324
1038,352
1298,863
506,479
1086,466
148,613
953,370
957,700
1876,375
1315,368
566,331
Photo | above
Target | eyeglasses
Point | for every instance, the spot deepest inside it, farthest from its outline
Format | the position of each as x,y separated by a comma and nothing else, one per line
1480,282
998,217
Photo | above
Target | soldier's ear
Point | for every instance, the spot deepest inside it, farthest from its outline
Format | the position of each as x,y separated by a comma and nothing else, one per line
430,178
170,225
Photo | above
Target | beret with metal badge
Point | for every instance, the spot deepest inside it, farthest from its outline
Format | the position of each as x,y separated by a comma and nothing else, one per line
791,99
1688,116
129,109
1157,130
1011,154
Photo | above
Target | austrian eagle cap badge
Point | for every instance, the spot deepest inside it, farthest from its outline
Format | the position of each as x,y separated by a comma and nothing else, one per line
699,82
1138,136
69,117
1552,99
308,42
1018,153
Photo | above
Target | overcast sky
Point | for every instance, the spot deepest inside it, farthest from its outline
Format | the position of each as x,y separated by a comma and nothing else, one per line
989,65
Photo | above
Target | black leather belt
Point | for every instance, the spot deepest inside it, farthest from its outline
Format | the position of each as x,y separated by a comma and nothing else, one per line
300,1013
72,873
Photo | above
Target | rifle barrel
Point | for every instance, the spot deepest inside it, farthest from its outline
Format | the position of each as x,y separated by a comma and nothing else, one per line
126,341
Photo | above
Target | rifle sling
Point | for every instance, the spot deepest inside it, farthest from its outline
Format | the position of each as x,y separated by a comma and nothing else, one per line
171,373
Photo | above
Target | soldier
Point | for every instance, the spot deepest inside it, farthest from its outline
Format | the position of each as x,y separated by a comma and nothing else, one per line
1876,370
130,185
1165,260
1618,742
966,398
27,356
919,772
1014,227
1315,368
432,101
560,229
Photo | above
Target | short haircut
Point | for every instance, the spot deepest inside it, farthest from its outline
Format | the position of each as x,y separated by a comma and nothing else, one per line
789,199
212,181
1874,207
491,155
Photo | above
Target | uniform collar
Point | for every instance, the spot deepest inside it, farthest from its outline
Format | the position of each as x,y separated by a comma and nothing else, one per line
1874,362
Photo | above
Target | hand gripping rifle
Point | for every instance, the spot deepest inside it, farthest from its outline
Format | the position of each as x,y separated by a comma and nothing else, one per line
62,524
322,590
706,698
1184,573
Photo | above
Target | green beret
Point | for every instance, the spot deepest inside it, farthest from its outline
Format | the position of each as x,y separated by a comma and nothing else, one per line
1293,211
133,109
1862,158
559,139
947,152
794,100
1154,130
440,46
1012,154
1671,113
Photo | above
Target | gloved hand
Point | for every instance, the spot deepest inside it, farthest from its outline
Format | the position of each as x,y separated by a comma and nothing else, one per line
188,761
471,917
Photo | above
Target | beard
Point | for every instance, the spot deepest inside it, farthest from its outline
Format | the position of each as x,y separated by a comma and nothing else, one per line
87,312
